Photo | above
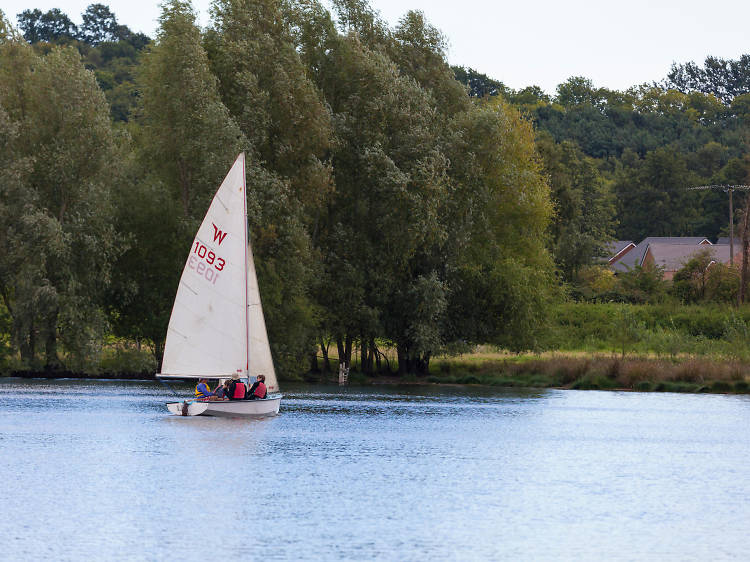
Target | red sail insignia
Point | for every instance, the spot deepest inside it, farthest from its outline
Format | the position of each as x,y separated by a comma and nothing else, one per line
218,234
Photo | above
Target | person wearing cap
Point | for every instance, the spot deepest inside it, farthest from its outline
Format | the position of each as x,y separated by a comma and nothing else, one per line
202,390
258,390
236,390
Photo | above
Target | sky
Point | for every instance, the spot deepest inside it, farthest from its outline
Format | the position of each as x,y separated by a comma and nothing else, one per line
615,44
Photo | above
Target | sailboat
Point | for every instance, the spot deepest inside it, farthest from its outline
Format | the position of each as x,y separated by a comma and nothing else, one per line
217,329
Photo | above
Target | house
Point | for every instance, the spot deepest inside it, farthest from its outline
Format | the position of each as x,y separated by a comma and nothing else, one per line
725,240
617,249
635,256
673,257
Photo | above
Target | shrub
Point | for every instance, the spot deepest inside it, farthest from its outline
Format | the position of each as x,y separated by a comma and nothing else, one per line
127,360
721,386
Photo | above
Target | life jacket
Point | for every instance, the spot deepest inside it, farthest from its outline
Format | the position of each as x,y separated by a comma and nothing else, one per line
202,393
238,390
260,390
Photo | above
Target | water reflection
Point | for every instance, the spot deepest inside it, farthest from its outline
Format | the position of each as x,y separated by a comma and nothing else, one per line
394,473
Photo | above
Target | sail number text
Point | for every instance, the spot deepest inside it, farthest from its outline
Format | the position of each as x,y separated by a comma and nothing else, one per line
210,257
205,263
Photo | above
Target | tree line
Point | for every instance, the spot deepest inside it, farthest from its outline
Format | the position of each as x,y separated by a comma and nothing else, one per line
386,206
394,201
619,162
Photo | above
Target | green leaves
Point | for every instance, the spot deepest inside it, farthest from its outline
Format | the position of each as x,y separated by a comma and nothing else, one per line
61,165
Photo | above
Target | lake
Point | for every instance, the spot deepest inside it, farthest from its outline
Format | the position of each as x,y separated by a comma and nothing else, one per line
98,470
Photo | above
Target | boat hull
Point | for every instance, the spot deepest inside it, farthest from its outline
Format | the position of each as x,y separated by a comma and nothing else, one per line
227,408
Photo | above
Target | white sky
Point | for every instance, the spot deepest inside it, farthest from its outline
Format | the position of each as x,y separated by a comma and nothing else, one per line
542,42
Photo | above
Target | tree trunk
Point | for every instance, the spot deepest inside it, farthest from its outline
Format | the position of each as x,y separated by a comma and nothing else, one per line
376,353
26,343
363,355
341,350
371,356
314,362
159,353
423,365
348,351
326,360
51,361
402,360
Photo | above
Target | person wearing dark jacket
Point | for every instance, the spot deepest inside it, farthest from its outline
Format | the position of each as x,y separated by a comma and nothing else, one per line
222,391
258,390
237,390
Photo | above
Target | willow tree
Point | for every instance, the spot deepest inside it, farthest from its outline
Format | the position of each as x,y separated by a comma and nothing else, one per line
187,137
501,277
266,87
61,165
390,182
186,140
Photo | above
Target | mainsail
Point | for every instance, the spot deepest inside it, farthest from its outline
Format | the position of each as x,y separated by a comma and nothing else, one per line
217,329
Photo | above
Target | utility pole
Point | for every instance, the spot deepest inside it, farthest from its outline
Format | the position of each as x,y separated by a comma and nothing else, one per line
730,190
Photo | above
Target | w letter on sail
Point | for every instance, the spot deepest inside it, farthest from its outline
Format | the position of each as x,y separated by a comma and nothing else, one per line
218,234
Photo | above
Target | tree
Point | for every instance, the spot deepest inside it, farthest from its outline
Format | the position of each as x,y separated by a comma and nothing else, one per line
50,26
501,276
63,164
99,25
578,90
691,281
264,84
186,140
418,49
723,78
657,183
479,85
643,284
585,210
383,217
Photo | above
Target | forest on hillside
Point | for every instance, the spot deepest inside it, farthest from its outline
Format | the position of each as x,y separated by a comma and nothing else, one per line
394,201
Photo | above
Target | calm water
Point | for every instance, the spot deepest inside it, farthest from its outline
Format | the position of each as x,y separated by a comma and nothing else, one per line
100,471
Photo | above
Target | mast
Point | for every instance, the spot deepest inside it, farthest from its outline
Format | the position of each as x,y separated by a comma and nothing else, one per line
247,299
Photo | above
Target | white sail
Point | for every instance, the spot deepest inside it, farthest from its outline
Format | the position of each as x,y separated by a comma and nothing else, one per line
207,334
259,350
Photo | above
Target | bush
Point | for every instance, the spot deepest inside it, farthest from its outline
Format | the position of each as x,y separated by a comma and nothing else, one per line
741,386
721,386
127,360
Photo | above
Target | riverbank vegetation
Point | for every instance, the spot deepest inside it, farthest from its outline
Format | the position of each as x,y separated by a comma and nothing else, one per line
402,212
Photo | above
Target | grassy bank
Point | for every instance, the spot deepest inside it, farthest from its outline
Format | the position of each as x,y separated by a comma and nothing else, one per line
667,331
594,372
592,346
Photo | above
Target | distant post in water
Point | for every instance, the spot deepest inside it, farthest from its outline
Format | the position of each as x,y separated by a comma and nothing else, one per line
343,374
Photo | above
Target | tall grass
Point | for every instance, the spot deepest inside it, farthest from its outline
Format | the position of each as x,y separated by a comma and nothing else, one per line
667,331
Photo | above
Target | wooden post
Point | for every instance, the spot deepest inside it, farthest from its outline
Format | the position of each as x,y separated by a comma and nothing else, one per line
343,374
745,243
731,229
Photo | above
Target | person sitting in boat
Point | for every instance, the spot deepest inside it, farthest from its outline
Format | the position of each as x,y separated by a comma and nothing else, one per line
202,390
236,390
258,390
222,391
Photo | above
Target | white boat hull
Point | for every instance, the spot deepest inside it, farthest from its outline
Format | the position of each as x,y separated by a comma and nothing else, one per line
227,408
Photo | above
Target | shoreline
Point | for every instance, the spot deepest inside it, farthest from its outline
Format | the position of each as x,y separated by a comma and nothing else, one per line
564,371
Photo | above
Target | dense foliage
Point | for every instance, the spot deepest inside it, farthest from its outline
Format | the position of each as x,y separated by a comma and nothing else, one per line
637,151
386,207
394,201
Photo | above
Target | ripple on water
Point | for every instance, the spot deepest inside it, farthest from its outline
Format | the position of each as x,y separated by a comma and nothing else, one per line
98,469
